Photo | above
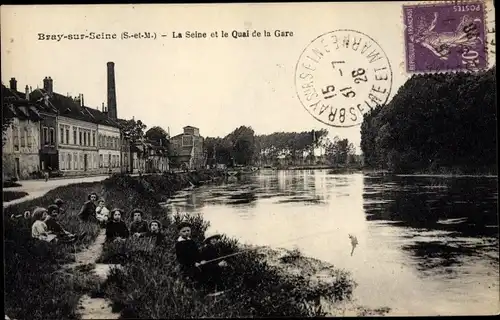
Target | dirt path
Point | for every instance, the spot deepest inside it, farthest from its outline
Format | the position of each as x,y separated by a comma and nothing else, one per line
88,307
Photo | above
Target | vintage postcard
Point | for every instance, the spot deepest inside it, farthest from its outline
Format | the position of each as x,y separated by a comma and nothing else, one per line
250,160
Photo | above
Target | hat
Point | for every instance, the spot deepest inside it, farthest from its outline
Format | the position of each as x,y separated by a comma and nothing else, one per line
183,224
52,207
59,201
212,236
91,194
158,222
117,209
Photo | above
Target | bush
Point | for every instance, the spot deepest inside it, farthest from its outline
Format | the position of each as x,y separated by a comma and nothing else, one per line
149,285
13,195
34,286
11,183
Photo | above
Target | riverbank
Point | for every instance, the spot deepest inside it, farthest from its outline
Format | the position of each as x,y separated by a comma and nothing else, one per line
149,284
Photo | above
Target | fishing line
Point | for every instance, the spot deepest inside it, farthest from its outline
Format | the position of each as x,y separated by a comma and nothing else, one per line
274,245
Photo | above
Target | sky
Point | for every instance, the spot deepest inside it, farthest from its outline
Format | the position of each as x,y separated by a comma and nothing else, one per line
215,84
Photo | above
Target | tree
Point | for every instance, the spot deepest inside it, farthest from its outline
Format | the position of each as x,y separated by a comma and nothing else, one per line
242,142
158,134
132,129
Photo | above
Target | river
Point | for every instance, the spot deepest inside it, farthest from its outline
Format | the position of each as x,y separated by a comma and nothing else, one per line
428,245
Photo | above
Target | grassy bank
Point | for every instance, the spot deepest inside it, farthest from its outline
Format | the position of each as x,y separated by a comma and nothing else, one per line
13,195
149,285
33,287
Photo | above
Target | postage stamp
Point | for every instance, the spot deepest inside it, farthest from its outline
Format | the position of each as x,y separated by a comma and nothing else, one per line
341,75
445,37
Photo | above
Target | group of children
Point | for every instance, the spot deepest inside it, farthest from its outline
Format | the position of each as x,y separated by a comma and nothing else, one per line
202,265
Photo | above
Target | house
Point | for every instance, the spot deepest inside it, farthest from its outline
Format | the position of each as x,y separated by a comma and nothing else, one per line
187,149
21,158
109,141
157,157
77,131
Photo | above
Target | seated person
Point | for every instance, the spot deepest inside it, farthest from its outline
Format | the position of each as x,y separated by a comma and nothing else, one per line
212,270
187,252
55,227
116,229
101,212
59,203
139,227
154,233
39,228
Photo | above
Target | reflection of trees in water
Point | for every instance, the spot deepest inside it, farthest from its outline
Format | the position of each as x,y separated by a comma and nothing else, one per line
431,203
426,202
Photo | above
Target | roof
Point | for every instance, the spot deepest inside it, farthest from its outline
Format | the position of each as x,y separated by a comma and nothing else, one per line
15,105
190,127
67,107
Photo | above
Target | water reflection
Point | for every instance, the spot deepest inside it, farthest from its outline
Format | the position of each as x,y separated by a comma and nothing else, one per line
427,245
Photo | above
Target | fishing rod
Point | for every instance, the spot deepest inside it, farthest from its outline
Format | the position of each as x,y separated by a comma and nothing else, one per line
262,247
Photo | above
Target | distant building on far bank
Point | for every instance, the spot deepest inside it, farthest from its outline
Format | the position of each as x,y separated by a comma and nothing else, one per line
187,150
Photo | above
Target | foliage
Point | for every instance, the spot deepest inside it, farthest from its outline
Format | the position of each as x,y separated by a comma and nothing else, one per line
436,122
339,151
34,289
13,195
158,134
150,284
133,129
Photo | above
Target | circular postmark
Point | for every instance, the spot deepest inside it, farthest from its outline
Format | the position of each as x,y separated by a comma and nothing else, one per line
341,75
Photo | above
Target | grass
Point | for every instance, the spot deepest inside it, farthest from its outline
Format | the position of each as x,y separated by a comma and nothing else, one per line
10,184
34,287
13,195
149,285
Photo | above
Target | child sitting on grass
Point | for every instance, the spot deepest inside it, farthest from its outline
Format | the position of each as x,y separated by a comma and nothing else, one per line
39,229
139,227
154,233
116,229
102,213
59,203
187,253
87,212
54,227
212,270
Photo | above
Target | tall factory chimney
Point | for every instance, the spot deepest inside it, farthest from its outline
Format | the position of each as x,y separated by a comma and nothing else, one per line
112,112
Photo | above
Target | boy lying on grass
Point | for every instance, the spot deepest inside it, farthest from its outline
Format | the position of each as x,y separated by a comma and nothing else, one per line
206,274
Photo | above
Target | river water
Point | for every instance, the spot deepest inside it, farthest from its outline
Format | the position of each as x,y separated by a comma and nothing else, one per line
428,245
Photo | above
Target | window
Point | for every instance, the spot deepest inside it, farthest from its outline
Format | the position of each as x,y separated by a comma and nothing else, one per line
80,137
74,135
81,161
61,160
95,161
15,133
75,161
101,161
93,138
67,135
84,138
23,137
68,164
29,137
187,141
52,136
61,129
45,135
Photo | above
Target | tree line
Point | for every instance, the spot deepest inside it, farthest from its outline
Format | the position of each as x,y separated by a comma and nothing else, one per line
435,123
243,147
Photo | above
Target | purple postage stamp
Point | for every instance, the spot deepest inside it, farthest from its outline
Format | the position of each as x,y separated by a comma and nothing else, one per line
445,37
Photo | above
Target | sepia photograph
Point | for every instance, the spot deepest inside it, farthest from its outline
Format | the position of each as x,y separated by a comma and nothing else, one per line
250,160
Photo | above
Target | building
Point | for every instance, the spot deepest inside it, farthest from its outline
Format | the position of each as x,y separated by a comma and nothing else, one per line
157,158
76,132
21,140
108,141
187,150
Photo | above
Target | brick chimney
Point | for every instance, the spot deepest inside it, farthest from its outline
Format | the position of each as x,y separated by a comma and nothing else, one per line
51,85
27,92
81,99
113,114
46,85
13,84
